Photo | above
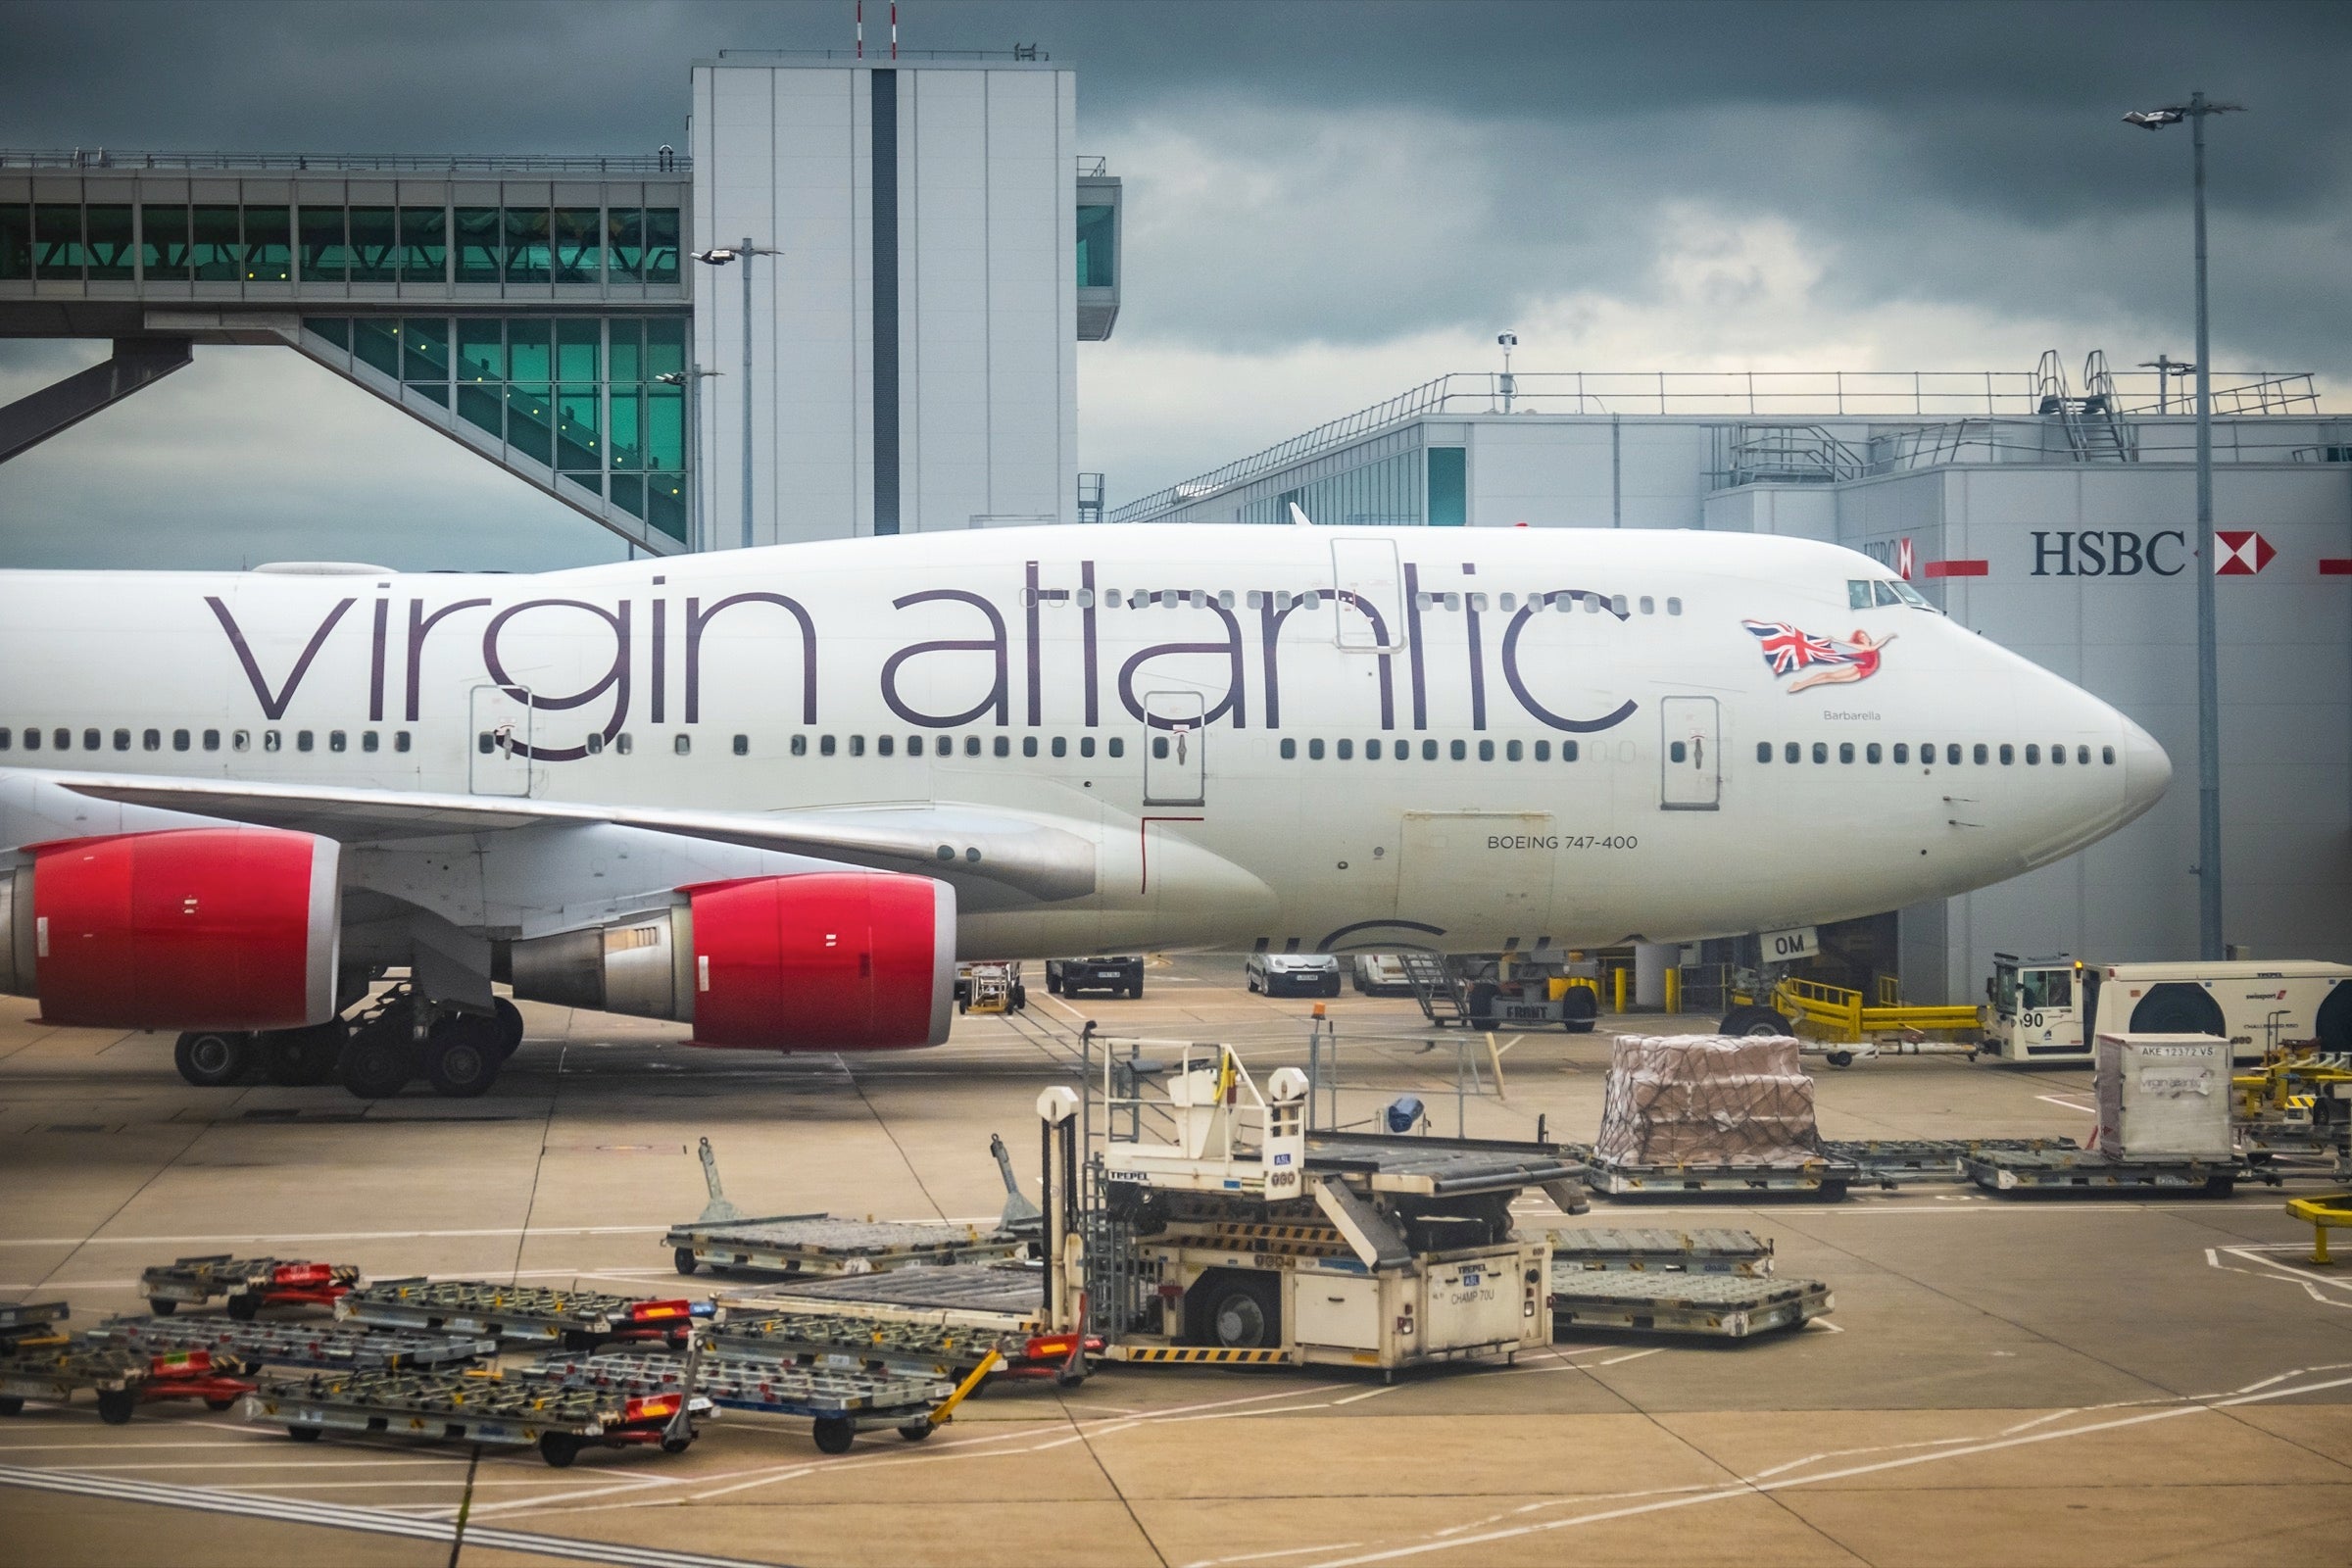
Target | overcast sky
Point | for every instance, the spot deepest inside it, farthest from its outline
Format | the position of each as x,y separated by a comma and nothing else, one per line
1327,202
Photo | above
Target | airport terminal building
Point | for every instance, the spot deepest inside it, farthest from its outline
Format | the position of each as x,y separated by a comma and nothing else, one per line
2055,515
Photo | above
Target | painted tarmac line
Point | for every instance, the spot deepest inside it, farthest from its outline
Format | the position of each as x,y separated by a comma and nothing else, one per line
364,1521
332,1236
2067,1105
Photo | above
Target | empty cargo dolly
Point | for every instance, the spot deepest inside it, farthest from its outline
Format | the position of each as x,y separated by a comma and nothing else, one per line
249,1283
120,1378
1599,1250
840,1401
525,1313
322,1345
848,1339
1712,1306
469,1407
25,1325
2086,1171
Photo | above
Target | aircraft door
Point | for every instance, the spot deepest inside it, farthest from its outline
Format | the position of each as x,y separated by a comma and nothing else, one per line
1173,738
1693,769
498,750
1370,604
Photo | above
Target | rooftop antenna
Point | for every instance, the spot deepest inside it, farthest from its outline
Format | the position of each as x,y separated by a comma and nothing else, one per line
861,29
894,29
2165,367
1508,341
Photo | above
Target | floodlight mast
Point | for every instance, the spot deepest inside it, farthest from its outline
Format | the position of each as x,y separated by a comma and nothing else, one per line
721,255
2196,112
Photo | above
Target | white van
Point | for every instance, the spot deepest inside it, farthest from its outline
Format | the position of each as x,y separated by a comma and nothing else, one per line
2054,1009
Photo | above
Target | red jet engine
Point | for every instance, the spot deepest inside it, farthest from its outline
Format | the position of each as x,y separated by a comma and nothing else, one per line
821,961
196,928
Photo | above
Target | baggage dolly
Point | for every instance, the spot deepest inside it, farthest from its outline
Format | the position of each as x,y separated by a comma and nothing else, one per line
120,1379
1823,1178
326,1346
2086,1171
466,1407
530,1314
27,1325
1896,1161
1708,1305
249,1283
840,1401
1598,1250
939,1349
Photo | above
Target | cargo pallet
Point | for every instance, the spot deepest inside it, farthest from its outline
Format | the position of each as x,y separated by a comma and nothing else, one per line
2086,1171
840,1401
249,1283
1001,1298
838,1339
464,1408
120,1379
822,1244
30,1325
321,1345
530,1314
1709,1305
1893,1161
1576,1253
1815,1178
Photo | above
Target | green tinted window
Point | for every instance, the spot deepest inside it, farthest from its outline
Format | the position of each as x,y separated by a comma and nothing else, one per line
665,503
325,259
219,249
57,242
376,342
626,436
661,245
526,245
1097,231
336,329
627,340
580,244
624,244
478,244
664,347
1448,487
528,351
578,347
15,240
423,244
269,244
531,422
664,427
628,492
424,351
482,350
110,244
577,448
374,246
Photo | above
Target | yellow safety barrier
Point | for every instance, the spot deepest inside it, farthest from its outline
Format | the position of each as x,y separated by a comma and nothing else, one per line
1890,991
1833,1012
2323,1213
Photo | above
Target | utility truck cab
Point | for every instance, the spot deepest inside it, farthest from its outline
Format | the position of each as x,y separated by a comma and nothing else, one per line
2055,1009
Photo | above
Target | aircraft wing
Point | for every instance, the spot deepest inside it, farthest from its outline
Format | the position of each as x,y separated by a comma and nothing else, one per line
1032,855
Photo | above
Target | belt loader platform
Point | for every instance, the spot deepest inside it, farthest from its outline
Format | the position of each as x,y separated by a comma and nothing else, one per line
464,1408
525,1313
119,1379
249,1283
306,1345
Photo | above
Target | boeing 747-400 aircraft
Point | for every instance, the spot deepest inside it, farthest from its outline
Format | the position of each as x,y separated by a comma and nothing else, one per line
775,793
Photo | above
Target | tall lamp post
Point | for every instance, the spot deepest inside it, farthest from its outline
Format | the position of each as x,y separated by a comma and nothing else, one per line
691,378
2196,112
720,256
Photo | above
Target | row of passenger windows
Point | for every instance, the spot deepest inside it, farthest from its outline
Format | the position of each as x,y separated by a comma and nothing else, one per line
152,740
856,745
1402,751
1871,751
1283,599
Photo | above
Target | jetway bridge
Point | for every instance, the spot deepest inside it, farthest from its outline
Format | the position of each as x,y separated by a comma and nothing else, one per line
529,307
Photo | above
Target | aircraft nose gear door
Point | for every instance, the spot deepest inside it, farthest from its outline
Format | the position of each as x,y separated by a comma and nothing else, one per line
1173,774
1693,773
498,756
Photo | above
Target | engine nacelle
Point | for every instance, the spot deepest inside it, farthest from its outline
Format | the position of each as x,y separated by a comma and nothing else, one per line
822,961
195,928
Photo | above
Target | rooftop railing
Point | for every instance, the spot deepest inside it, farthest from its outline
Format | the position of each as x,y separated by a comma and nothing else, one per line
662,162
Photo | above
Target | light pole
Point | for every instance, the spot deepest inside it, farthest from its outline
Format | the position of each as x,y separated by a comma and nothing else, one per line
720,256
2209,685
691,378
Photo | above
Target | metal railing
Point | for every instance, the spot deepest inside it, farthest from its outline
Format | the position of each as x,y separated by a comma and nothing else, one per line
663,162
1091,166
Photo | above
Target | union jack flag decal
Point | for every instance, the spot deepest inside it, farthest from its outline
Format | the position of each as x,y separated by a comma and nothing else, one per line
1822,660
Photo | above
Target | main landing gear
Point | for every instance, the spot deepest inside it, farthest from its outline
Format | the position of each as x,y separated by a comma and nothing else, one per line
374,1053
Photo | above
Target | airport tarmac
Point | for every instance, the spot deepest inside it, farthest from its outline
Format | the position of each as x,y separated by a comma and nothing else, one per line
2003,1381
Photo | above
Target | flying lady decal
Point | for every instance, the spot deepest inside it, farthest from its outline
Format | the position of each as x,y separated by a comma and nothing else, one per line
1819,661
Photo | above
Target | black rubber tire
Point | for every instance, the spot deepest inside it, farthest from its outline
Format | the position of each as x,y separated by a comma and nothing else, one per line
1840,1058
162,1307
244,1306
298,1058
304,1433
1482,1005
559,1450
462,1058
676,1445
1331,988
1054,987
684,1262
834,1434
508,1018
1020,997
228,1403
1580,1009
915,1431
115,1405
9,1404
212,1059
1754,1021
377,1063
1238,1310
1833,1192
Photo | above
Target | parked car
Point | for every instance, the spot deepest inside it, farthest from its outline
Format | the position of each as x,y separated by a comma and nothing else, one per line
1302,974
1116,976
1381,974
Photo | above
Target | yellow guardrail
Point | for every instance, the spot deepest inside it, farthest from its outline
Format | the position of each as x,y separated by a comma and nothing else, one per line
1833,1013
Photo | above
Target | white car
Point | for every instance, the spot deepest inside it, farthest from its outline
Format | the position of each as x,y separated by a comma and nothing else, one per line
1302,974
1381,974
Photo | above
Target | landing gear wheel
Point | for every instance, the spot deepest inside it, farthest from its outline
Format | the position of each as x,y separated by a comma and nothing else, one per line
1240,1312
297,1059
162,1307
115,1404
508,1018
303,1434
462,1057
1754,1021
245,1306
684,1262
559,1449
915,1431
213,1060
835,1433
377,1063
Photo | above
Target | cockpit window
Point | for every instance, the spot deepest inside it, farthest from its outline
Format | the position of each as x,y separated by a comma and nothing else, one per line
1865,593
1858,593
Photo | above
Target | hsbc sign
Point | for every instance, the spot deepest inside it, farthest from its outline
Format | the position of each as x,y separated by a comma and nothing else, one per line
2110,552
2241,553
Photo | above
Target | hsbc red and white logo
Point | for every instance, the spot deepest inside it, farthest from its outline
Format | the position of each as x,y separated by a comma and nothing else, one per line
2241,553
1902,558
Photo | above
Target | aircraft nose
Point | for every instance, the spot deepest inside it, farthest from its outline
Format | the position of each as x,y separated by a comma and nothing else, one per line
2146,770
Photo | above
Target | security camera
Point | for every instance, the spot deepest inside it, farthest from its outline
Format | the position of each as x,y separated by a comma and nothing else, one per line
1508,340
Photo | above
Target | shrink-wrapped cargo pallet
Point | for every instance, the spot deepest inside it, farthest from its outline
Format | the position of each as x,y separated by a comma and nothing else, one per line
1708,1100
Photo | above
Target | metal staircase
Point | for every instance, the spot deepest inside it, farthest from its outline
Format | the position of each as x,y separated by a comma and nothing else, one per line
1435,986
2095,429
